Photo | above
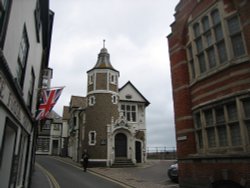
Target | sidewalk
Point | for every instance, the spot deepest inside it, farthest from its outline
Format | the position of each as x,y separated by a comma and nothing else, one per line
151,174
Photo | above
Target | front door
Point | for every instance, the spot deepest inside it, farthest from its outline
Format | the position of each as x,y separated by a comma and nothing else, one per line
9,161
55,147
138,151
120,145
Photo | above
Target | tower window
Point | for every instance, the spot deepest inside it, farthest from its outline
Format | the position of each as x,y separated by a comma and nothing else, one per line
91,79
113,79
114,99
91,101
92,138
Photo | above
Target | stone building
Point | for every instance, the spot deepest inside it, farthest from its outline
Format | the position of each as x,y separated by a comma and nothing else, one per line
209,50
76,122
114,120
25,37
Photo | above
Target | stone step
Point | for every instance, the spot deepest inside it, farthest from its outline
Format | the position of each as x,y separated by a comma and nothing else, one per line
123,163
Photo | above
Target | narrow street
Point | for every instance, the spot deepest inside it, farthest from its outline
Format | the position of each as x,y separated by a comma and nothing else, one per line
57,172
66,176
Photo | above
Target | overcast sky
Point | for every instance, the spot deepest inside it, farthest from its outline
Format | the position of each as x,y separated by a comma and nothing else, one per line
135,32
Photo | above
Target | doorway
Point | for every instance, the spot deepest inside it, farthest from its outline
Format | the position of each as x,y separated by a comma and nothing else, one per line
121,145
55,147
6,173
138,151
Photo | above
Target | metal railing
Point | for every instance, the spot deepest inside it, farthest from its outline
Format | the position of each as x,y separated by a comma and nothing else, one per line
161,153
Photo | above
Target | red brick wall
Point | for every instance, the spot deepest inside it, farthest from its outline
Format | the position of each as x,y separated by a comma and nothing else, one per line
180,83
226,82
200,172
207,171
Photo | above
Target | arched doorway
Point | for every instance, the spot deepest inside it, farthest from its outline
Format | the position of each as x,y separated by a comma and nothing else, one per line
120,145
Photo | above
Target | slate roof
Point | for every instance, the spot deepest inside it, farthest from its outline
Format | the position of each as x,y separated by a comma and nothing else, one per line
78,102
56,117
103,61
66,114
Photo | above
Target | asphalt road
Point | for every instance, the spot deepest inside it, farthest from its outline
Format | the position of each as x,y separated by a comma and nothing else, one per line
69,176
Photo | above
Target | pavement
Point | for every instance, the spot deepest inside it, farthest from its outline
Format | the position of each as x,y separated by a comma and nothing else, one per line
152,174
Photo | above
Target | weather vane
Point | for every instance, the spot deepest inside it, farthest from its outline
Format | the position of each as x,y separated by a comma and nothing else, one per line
104,43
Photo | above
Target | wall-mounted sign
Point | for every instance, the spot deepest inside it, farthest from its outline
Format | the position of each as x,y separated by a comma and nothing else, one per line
181,138
8,98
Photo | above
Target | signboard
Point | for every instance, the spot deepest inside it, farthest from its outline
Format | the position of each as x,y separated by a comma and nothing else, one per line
8,98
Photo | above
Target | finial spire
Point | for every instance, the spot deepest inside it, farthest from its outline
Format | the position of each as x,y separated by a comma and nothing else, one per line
104,43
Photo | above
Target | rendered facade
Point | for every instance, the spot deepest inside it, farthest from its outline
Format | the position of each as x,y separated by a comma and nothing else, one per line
209,50
76,122
25,35
50,135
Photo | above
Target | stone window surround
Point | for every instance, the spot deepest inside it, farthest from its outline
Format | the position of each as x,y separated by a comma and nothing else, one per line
193,63
91,100
132,113
229,123
92,138
114,99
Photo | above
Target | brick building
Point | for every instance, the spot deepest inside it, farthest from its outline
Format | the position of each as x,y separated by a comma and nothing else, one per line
209,50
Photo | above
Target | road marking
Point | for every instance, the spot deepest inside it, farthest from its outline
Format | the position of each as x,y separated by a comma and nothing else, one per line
50,177
96,174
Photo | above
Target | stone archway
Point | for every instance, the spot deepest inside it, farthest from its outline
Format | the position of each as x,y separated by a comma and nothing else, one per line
120,145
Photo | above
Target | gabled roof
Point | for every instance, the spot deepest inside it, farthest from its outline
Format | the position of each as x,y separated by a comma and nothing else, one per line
78,102
66,114
56,118
129,93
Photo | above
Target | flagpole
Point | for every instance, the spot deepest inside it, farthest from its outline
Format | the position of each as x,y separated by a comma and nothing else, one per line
49,88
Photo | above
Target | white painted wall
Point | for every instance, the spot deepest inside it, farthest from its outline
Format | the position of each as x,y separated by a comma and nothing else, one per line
22,12
130,90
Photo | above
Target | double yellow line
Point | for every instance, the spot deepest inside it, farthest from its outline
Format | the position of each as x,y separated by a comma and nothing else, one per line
51,178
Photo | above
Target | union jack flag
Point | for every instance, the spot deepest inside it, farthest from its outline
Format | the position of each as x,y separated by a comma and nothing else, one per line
47,101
